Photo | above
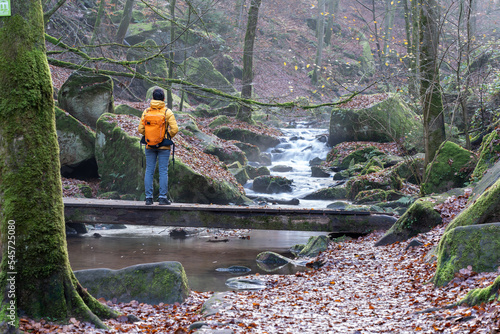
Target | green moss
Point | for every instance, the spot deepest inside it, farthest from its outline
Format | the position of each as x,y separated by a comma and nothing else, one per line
475,245
450,169
381,122
484,295
489,154
419,218
218,121
486,209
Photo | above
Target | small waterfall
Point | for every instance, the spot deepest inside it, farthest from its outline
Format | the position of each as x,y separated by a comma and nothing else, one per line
299,146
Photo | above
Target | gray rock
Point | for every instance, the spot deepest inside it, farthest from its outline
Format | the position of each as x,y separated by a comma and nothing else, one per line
86,96
151,283
272,258
314,246
76,140
245,284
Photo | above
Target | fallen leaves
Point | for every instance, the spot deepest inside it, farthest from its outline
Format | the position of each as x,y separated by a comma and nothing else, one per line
359,288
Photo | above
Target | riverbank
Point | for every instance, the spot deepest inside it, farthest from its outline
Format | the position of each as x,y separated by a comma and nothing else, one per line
360,289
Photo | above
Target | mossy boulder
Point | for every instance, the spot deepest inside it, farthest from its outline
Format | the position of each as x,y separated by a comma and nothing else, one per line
486,209
411,169
385,180
314,246
377,195
119,157
124,109
476,245
254,172
240,174
156,66
272,184
86,96
361,155
451,168
202,72
330,193
419,218
150,283
192,41
489,154
76,140
225,154
382,121
185,185
219,121
484,295
272,258
262,141
252,152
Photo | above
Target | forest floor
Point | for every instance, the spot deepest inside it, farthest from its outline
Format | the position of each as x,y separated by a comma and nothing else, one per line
359,289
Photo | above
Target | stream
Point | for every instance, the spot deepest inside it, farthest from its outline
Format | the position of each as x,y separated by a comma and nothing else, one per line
117,249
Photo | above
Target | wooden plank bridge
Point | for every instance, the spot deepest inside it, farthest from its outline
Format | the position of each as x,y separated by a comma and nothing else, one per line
98,211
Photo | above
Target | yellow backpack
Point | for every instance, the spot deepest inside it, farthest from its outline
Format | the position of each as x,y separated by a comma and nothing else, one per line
154,122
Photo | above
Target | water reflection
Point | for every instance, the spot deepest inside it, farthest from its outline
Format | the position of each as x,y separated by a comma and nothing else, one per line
138,244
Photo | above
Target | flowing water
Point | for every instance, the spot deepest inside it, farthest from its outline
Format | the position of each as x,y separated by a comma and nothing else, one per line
141,244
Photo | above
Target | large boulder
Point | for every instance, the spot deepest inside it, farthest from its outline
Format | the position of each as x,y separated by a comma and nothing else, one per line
489,154
451,168
314,246
156,66
151,283
263,141
385,120
330,193
385,180
272,184
119,156
477,246
76,140
484,295
419,218
484,210
202,72
188,185
193,42
124,109
86,96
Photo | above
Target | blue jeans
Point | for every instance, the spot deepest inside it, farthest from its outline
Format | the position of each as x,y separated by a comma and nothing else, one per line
151,156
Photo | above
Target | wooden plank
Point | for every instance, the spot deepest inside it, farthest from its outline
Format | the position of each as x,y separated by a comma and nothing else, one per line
94,211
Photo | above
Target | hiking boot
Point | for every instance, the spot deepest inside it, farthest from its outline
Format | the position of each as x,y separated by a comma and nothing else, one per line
149,201
163,201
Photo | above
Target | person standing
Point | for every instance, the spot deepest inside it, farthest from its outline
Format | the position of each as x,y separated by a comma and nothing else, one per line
161,151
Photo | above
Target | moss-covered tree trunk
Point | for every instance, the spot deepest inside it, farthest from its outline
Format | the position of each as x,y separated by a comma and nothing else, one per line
35,275
430,88
245,113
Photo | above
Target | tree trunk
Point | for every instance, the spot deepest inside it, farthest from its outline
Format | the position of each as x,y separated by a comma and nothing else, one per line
245,113
124,23
35,275
333,8
410,48
97,24
430,89
171,54
320,34
390,8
